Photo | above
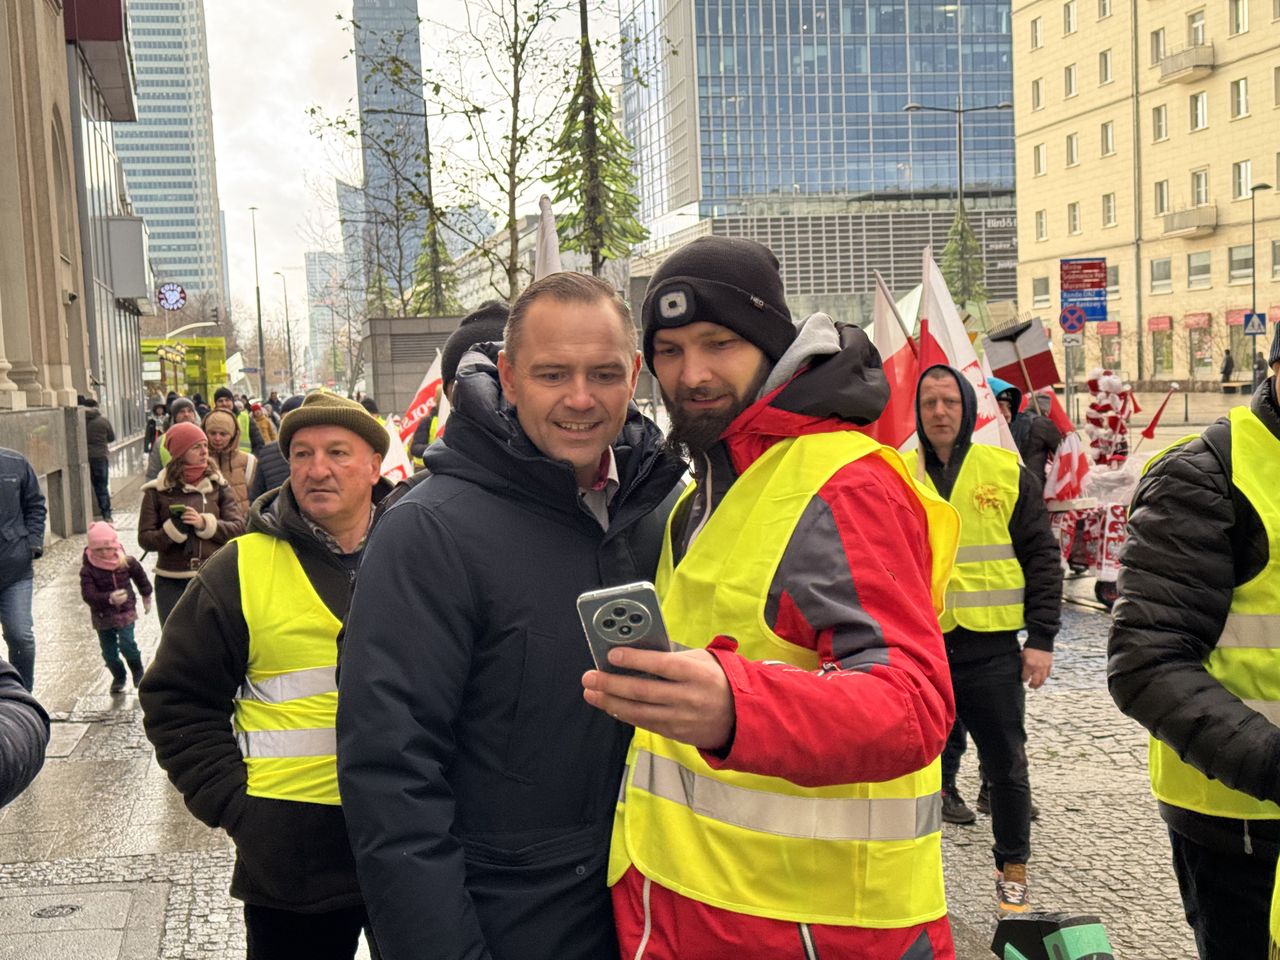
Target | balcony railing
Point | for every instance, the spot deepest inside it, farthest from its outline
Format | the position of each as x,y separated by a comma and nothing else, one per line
1187,64
1192,222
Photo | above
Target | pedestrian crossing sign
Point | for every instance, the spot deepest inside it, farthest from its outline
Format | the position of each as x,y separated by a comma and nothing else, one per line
1255,324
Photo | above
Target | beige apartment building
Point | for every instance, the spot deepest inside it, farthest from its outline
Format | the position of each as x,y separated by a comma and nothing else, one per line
1147,133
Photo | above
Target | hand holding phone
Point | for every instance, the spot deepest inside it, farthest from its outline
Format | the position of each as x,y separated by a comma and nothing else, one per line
625,616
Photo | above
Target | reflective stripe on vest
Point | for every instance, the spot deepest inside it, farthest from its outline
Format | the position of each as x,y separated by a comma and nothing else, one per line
1244,660
864,854
986,589
287,704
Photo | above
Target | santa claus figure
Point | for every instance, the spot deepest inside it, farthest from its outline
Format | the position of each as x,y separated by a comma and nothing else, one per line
1107,419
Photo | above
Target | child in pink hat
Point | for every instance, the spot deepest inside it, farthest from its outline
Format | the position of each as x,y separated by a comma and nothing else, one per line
107,577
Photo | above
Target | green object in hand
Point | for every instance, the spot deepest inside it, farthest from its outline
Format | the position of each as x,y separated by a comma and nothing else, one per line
176,510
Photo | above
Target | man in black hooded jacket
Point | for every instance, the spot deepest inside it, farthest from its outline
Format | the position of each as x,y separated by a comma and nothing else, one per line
1192,657
478,786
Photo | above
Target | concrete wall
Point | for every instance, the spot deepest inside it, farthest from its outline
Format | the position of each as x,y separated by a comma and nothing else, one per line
53,439
398,351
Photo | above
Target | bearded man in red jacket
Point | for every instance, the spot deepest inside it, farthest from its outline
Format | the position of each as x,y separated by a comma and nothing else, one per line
782,789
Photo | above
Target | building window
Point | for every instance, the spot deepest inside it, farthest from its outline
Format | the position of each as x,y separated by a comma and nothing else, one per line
1040,291
1199,110
1275,259
1109,344
1069,80
1162,275
1195,28
1073,149
1039,156
1275,83
1108,209
1238,16
1104,67
1240,98
1073,218
1037,101
1104,9
1069,17
1160,123
1162,197
1157,46
1199,270
1241,179
1107,137
1113,281
1201,349
1161,351
1240,263
1042,225
1037,34
1199,187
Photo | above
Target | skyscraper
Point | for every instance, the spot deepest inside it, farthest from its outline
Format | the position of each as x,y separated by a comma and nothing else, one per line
393,135
783,121
326,344
168,155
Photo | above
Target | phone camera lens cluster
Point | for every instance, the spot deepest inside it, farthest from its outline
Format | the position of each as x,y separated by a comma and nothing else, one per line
622,621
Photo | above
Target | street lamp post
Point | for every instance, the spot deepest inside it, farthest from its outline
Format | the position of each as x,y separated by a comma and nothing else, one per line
958,111
288,332
257,292
1253,253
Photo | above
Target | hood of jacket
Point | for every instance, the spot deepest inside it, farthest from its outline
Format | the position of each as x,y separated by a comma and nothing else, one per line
484,444
968,417
830,378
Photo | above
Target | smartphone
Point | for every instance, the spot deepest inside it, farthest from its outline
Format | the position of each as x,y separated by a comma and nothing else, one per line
176,510
623,616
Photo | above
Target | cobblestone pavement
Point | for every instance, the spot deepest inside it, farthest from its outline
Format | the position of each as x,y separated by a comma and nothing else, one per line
99,858
1099,846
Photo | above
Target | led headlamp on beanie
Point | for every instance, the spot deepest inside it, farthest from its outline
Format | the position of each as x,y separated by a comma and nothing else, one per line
730,282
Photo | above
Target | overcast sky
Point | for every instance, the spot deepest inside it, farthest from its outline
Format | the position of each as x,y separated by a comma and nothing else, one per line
268,64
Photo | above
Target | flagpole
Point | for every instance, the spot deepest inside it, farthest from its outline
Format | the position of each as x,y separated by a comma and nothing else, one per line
911,342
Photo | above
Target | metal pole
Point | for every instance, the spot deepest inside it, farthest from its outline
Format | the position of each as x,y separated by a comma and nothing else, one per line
257,292
288,331
959,154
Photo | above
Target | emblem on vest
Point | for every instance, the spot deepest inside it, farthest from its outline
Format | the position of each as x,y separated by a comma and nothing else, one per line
986,498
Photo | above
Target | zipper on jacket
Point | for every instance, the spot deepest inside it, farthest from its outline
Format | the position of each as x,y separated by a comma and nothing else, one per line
648,921
806,941
1248,843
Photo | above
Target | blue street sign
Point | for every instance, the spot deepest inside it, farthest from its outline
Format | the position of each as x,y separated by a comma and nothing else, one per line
1255,324
1092,302
1072,319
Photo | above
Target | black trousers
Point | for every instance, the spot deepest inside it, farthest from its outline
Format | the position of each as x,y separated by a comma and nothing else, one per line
1226,898
100,476
957,743
272,934
989,702
169,591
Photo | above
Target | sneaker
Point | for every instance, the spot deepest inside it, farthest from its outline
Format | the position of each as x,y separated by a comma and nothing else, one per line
983,803
954,809
1011,888
117,685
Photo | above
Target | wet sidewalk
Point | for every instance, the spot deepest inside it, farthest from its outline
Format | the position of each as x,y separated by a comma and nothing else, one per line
100,860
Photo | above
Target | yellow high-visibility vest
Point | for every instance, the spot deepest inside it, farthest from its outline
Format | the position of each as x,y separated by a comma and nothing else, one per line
242,418
1273,949
286,709
986,589
853,854
1246,659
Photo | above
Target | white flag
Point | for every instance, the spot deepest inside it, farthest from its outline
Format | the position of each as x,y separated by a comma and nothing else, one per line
547,254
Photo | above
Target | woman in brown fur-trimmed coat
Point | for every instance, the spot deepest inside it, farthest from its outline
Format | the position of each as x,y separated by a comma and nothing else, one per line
188,512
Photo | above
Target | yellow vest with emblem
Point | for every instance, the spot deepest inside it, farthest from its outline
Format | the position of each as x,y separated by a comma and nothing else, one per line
854,854
286,708
986,589
1244,659
242,418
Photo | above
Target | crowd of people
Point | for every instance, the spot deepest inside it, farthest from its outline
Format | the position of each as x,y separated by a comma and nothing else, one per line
383,694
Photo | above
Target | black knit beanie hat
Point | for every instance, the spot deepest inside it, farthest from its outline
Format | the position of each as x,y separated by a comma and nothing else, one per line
723,280
484,324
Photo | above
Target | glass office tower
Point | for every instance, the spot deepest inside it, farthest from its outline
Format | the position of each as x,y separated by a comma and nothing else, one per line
783,121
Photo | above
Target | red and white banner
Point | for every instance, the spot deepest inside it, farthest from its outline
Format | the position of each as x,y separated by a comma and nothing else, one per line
396,465
896,426
943,339
1033,347
422,401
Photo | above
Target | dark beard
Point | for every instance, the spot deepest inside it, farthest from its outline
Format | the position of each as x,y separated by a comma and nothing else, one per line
693,434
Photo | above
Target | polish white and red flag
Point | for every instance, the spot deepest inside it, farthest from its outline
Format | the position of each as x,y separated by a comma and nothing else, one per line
896,426
943,339
1029,354
396,465
422,401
